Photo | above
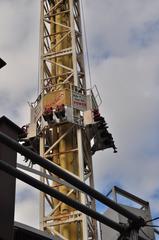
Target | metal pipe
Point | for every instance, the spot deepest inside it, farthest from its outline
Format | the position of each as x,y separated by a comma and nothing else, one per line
156,231
61,197
69,178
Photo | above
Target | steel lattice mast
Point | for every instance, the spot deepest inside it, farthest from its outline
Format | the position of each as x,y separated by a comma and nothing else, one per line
65,120
64,142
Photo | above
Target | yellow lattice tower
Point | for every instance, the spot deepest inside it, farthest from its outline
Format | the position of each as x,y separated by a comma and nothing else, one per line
63,138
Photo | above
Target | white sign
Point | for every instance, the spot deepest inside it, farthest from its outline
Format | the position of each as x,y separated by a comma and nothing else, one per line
79,101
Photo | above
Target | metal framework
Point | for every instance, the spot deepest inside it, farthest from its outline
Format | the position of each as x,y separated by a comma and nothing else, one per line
134,204
65,142
132,227
61,126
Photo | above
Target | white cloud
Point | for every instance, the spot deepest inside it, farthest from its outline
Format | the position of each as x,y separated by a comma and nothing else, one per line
19,20
19,48
128,84
27,205
19,27
126,72
110,24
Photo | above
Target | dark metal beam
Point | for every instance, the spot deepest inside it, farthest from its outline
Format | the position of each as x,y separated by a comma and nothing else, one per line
7,183
69,178
61,197
2,63
131,196
156,231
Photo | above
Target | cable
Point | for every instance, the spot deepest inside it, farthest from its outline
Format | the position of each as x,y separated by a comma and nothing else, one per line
86,44
156,231
152,225
154,219
39,62
147,236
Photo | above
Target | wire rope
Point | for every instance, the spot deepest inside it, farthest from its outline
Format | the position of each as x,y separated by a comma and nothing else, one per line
39,61
147,236
151,220
151,226
86,45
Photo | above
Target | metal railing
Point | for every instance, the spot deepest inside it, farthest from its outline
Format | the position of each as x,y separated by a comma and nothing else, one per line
135,221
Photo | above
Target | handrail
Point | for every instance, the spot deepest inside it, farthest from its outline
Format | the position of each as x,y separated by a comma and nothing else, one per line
11,143
61,197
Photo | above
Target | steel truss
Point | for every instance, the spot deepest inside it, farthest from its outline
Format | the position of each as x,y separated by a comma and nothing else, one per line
54,218
64,143
61,44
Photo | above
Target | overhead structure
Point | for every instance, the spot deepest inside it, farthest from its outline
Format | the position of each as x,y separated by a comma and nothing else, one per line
65,119
133,204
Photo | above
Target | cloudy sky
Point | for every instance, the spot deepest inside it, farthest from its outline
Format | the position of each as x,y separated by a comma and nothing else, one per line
123,42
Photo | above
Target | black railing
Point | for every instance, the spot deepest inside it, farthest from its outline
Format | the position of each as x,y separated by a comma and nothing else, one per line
135,221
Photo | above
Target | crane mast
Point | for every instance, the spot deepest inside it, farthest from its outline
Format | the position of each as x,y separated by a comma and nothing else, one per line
64,97
66,127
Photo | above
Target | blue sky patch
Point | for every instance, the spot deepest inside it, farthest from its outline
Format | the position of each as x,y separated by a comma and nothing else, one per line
146,35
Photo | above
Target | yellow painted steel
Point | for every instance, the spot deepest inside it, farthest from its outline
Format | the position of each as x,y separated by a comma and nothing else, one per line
52,99
64,229
72,167
59,29
63,96
55,184
59,73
